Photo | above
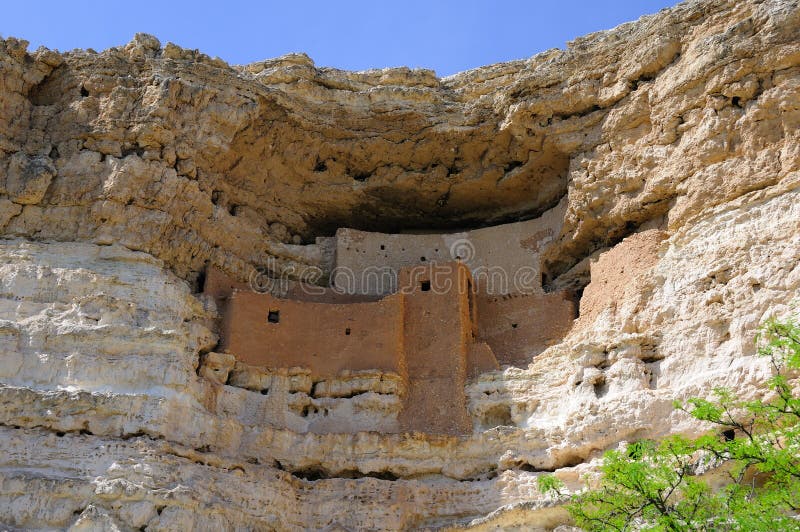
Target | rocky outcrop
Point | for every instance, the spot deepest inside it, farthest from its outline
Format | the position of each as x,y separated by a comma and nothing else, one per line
672,144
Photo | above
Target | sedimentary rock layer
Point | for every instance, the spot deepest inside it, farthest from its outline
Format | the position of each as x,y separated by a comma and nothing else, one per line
672,143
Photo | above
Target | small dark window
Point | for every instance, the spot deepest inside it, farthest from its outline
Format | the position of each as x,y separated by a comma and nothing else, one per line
347,331
513,325
422,259
383,247
425,286
274,316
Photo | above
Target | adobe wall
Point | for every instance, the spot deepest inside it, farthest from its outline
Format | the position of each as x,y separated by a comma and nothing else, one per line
221,286
616,271
518,327
319,294
326,338
480,359
508,247
438,328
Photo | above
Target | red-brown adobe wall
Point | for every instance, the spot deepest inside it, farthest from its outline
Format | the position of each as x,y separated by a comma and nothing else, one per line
315,335
618,270
480,359
519,327
221,286
438,329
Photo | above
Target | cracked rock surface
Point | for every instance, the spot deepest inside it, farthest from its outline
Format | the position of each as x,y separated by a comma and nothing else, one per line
673,141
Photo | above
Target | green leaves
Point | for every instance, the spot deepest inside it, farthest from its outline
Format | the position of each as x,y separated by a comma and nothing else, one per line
549,484
755,445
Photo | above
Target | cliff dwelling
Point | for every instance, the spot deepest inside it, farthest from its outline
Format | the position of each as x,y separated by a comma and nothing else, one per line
427,312
285,296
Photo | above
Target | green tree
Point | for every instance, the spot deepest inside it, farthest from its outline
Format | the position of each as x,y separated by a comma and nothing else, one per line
755,444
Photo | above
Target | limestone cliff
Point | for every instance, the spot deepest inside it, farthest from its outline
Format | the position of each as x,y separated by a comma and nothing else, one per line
669,147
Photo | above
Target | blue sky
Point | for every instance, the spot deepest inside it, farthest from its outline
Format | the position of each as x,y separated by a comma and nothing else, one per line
447,36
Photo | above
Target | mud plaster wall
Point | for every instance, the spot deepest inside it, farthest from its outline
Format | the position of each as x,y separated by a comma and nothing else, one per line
480,359
438,329
220,285
618,270
327,338
518,327
510,248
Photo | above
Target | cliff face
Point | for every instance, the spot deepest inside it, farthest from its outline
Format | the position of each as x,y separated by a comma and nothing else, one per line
671,146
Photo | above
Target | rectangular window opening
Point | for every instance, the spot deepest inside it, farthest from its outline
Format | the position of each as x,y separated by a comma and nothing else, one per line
425,286
274,316
347,331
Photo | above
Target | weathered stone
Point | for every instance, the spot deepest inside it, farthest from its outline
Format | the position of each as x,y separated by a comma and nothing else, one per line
28,178
217,366
8,210
667,150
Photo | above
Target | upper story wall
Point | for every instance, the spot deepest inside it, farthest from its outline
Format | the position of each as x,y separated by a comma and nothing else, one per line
504,259
439,319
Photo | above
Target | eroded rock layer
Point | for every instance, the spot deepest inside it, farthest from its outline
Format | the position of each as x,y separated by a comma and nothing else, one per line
669,148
